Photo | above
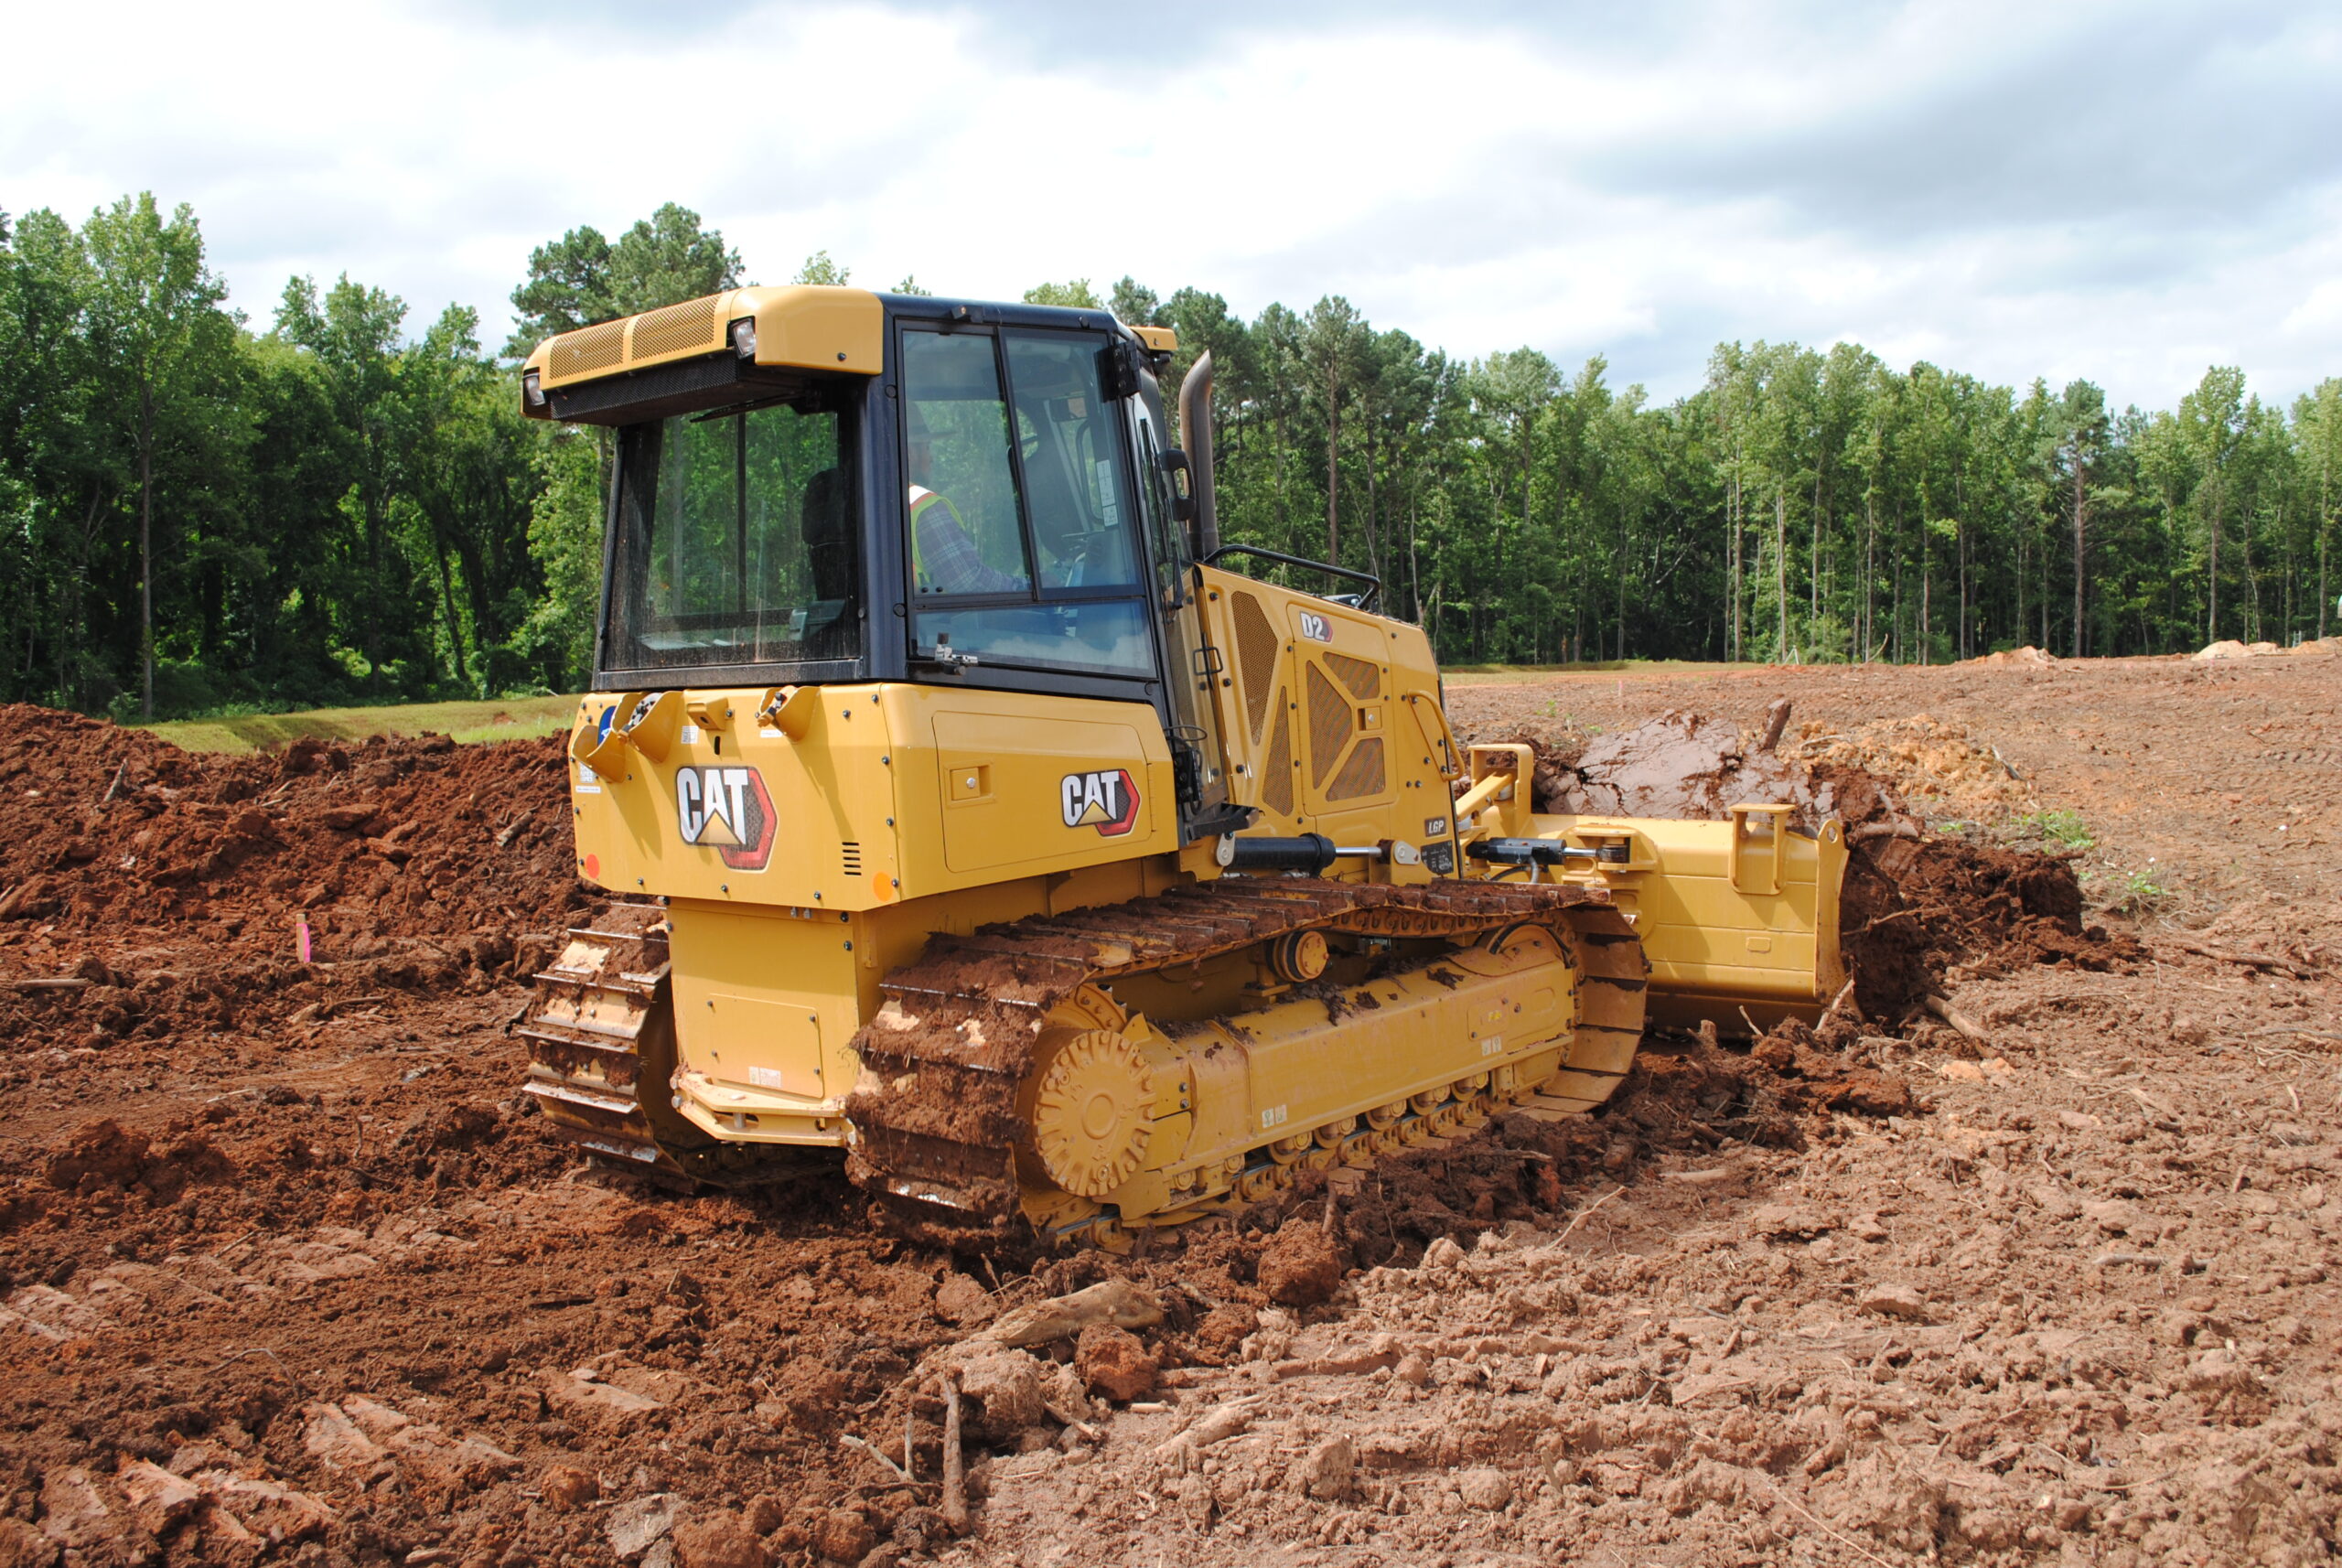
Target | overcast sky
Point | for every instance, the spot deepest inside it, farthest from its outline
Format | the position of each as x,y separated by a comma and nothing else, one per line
2128,192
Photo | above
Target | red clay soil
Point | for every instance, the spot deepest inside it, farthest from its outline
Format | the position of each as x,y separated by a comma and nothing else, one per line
415,866
290,1273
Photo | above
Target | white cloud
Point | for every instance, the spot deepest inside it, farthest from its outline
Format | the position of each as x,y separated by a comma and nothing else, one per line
2123,192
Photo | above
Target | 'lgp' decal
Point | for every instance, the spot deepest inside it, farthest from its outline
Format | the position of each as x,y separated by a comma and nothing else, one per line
727,810
1106,800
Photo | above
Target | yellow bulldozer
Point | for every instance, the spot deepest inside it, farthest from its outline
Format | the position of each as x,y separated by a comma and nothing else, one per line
971,815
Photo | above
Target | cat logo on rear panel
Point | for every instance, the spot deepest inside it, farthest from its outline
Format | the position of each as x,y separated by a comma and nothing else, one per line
1106,800
727,810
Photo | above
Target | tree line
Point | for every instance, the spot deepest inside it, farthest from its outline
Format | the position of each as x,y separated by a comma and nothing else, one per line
203,513
1803,505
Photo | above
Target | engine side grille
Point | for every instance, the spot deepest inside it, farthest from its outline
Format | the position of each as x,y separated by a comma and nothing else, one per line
1276,773
1256,657
1362,775
853,859
1363,678
1330,723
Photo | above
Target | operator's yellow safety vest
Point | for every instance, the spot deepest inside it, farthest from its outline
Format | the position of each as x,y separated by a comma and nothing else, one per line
922,499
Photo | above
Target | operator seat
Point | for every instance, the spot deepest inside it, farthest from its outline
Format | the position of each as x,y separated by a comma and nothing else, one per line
825,521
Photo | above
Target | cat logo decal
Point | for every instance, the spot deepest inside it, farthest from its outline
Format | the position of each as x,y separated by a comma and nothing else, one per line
1106,800
727,810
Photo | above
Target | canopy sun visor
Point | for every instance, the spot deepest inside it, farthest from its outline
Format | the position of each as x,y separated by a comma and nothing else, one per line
800,326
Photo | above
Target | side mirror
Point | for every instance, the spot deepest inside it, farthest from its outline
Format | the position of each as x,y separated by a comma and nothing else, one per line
1183,495
1118,370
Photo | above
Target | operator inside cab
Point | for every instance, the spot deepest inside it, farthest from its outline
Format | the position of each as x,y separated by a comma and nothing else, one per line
943,555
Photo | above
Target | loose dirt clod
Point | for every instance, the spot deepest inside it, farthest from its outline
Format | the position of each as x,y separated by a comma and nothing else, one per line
843,1535
1301,1266
1114,1365
958,1299
1896,1301
719,1541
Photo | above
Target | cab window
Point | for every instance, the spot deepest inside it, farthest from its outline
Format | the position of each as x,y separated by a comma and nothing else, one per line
1169,539
1073,472
967,535
737,538
1017,512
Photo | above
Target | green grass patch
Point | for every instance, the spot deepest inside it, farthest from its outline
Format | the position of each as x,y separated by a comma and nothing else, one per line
516,718
2139,892
2066,828
1496,674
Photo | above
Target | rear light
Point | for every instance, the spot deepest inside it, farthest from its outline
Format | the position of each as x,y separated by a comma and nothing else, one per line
530,390
744,338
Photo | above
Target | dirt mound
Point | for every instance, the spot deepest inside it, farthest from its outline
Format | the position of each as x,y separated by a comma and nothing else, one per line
1913,909
102,1155
2029,657
319,872
1676,764
1915,905
1937,767
2229,647
1693,765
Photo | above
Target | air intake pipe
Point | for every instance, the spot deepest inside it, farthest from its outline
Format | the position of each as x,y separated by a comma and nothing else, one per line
1195,439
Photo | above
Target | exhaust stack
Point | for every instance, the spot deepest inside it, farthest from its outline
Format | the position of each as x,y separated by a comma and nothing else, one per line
1195,438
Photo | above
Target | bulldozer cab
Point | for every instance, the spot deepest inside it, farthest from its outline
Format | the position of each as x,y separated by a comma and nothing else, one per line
990,508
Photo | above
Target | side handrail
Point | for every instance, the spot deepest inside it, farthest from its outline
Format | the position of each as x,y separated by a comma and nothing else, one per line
1451,764
1373,583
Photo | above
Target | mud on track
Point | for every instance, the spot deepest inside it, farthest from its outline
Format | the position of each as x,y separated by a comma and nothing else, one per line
290,1273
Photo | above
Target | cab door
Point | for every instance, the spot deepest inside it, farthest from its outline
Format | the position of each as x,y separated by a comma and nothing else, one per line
1193,668
1020,550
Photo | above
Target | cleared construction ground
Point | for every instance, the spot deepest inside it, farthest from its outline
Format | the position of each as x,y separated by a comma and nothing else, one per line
2026,1254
